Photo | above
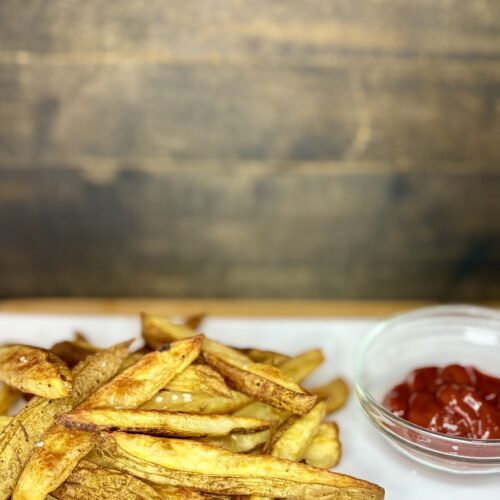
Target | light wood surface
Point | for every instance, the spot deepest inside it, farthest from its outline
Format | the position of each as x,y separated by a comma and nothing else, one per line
250,308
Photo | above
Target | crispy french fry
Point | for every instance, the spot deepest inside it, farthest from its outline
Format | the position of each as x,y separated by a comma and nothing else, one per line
240,443
147,376
297,368
28,426
196,402
194,321
4,421
91,481
64,448
70,352
291,440
302,365
171,492
265,357
8,396
325,449
200,379
265,383
35,371
258,409
158,331
335,394
185,463
74,351
160,423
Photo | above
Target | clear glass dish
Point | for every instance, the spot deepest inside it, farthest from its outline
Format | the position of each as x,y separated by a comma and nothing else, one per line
439,336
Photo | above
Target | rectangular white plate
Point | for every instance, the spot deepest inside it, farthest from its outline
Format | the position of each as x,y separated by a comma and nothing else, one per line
365,453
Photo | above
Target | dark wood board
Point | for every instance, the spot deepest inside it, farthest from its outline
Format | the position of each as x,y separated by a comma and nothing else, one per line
313,148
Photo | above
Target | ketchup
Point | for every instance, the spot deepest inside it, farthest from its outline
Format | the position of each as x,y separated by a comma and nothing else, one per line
455,400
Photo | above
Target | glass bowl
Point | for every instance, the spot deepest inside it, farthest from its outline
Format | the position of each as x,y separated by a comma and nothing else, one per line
438,336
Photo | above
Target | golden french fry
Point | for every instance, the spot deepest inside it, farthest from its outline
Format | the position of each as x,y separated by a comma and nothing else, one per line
35,371
240,443
4,421
194,321
334,393
291,439
28,426
258,409
174,493
185,463
158,331
64,448
196,403
265,357
70,352
325,449
262,382
292,442
8,397
89,481
200,379
297,368
74,351
160,423
147,376
302,365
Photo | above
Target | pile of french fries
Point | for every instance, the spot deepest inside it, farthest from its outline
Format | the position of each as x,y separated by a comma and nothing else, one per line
184,417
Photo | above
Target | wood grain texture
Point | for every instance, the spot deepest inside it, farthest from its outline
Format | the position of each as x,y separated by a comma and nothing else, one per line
314,148
253,233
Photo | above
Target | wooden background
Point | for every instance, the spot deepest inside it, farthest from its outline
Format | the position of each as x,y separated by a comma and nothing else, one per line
293,148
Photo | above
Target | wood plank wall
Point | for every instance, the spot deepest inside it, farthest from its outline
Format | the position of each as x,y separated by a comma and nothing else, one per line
293,148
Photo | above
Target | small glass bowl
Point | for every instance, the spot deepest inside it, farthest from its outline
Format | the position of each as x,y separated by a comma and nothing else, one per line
437,336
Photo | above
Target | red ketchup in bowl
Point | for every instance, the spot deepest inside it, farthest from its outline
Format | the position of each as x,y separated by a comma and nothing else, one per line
455,400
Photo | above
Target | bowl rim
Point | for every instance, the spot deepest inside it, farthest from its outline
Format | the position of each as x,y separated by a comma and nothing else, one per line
420,313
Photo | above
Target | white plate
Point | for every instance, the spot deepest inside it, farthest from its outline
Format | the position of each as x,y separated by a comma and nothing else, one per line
365,453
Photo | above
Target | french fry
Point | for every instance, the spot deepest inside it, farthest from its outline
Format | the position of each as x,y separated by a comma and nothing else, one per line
4,421
185,463
74,351
297,368
325,449
240,443
258,409
171,492
200,379
35,371
196,402
291,440
91,481
147,376
161,423
27,427
63,448
265,357
158,331
8,396
301,366
265,383
334,393
194,321
256,380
